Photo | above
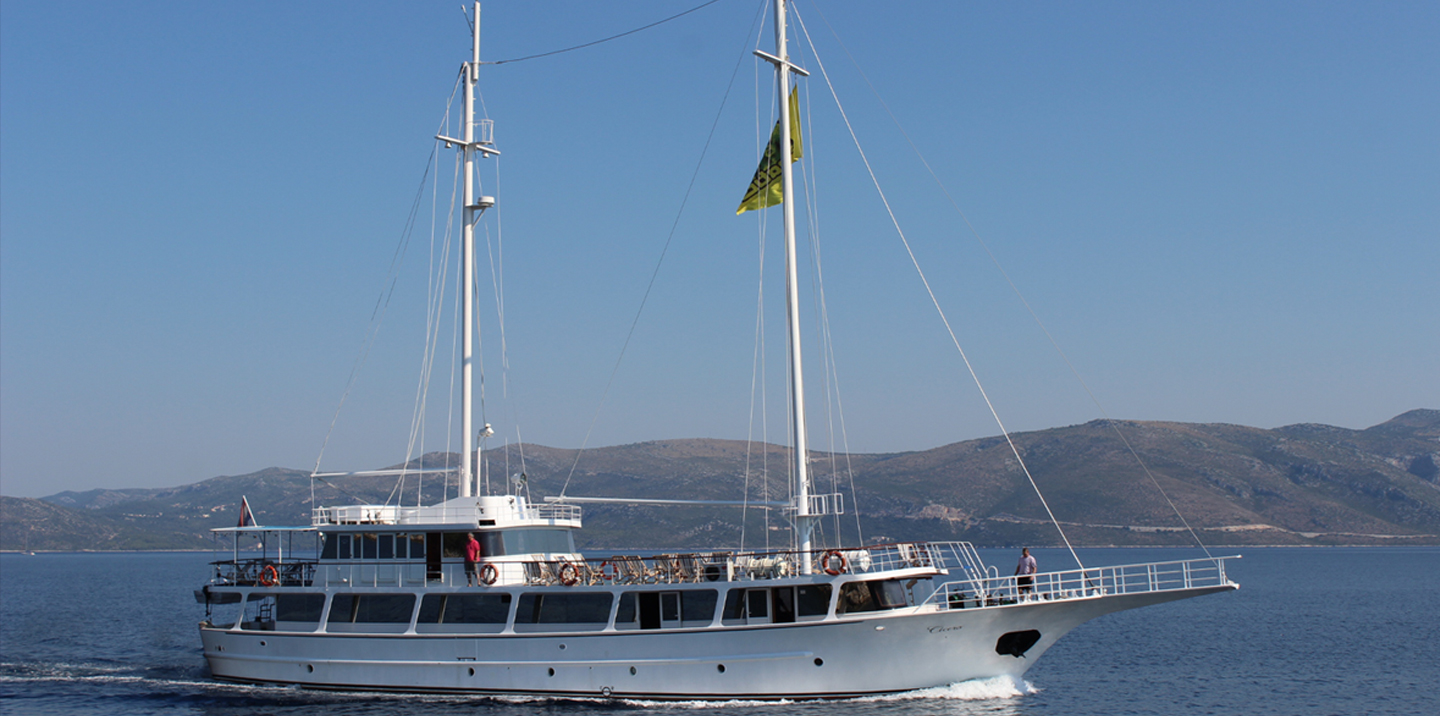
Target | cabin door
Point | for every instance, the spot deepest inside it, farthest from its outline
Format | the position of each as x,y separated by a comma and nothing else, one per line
659,610
784,605
649,605
757,606
434,552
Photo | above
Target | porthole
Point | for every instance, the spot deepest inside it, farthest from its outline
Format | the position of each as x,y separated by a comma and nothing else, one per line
819,661
632,671
472,671
262,642
552,672
720,668
310,668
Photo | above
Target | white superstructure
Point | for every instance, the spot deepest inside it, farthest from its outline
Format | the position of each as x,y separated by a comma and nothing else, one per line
385,602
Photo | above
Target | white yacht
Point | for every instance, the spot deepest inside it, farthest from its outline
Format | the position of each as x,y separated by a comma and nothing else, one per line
377,596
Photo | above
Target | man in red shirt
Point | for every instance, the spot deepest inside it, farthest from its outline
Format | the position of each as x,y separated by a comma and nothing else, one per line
473,553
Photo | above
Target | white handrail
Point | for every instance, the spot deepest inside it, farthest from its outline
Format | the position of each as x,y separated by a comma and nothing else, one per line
1080,583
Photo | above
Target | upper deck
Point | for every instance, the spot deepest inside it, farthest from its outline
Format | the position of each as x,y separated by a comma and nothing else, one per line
490,511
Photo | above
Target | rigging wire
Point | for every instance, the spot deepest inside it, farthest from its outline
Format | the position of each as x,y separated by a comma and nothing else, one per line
656,272
436,298
382,303
496,256
758,362
834,404
449,234
600,41
936,302
1114,425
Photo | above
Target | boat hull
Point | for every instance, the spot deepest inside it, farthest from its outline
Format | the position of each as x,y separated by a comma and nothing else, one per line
836,658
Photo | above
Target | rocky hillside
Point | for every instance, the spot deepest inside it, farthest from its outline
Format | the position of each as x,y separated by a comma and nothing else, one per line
1299,484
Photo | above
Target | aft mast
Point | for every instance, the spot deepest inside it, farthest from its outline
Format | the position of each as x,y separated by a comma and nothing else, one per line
804,521
472,212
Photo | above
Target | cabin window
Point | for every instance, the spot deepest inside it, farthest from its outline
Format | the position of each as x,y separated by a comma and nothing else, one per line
890,594
697,606
417,546
783,599
455,544
299,608
576,610
372,608
856,597
331,548
812,600
259,612
666,610
734,606
537,541
871,596
625,613
756,603
464,609
490,544
368,545
777,605
223,613
344,543
387,546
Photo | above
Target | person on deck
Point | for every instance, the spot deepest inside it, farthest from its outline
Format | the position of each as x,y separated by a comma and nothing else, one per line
473,553
1025,571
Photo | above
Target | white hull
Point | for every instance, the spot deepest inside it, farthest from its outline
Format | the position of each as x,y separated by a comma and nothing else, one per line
382,603
887,652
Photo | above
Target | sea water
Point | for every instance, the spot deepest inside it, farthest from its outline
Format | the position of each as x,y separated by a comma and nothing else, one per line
1310,632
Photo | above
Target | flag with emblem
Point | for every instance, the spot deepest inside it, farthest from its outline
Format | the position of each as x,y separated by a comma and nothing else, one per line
766,189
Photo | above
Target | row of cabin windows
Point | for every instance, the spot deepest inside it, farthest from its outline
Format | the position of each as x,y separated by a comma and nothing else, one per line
451,545
373,546
637,609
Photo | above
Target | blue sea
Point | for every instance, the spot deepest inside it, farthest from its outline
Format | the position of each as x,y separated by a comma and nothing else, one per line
1311,632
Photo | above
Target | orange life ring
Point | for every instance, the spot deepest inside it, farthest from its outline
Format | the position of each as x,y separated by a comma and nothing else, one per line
569,574
488,574
607,571
269,576
827,563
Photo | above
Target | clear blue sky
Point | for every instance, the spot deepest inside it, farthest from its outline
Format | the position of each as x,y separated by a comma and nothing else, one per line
1225,212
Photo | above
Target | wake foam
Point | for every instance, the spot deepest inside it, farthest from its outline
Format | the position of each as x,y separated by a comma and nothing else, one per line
995,687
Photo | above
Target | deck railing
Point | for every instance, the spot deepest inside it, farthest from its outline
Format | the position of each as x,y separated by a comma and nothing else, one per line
966,582
670,568
265,572
395,515
992,590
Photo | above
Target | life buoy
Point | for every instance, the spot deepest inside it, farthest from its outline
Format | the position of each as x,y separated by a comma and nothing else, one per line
569,574
828,564
607,571
488,574
269,576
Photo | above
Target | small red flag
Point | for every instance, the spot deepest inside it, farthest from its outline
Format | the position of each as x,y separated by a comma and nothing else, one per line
247,518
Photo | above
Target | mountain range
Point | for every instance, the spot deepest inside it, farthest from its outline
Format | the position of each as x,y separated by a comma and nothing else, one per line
1107,483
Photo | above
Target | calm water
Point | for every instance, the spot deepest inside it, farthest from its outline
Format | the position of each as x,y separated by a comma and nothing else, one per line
1311,632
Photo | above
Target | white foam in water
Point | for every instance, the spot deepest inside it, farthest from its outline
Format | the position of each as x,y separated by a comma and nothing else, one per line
995,687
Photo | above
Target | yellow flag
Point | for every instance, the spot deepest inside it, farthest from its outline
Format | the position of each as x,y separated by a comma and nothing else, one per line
766,189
